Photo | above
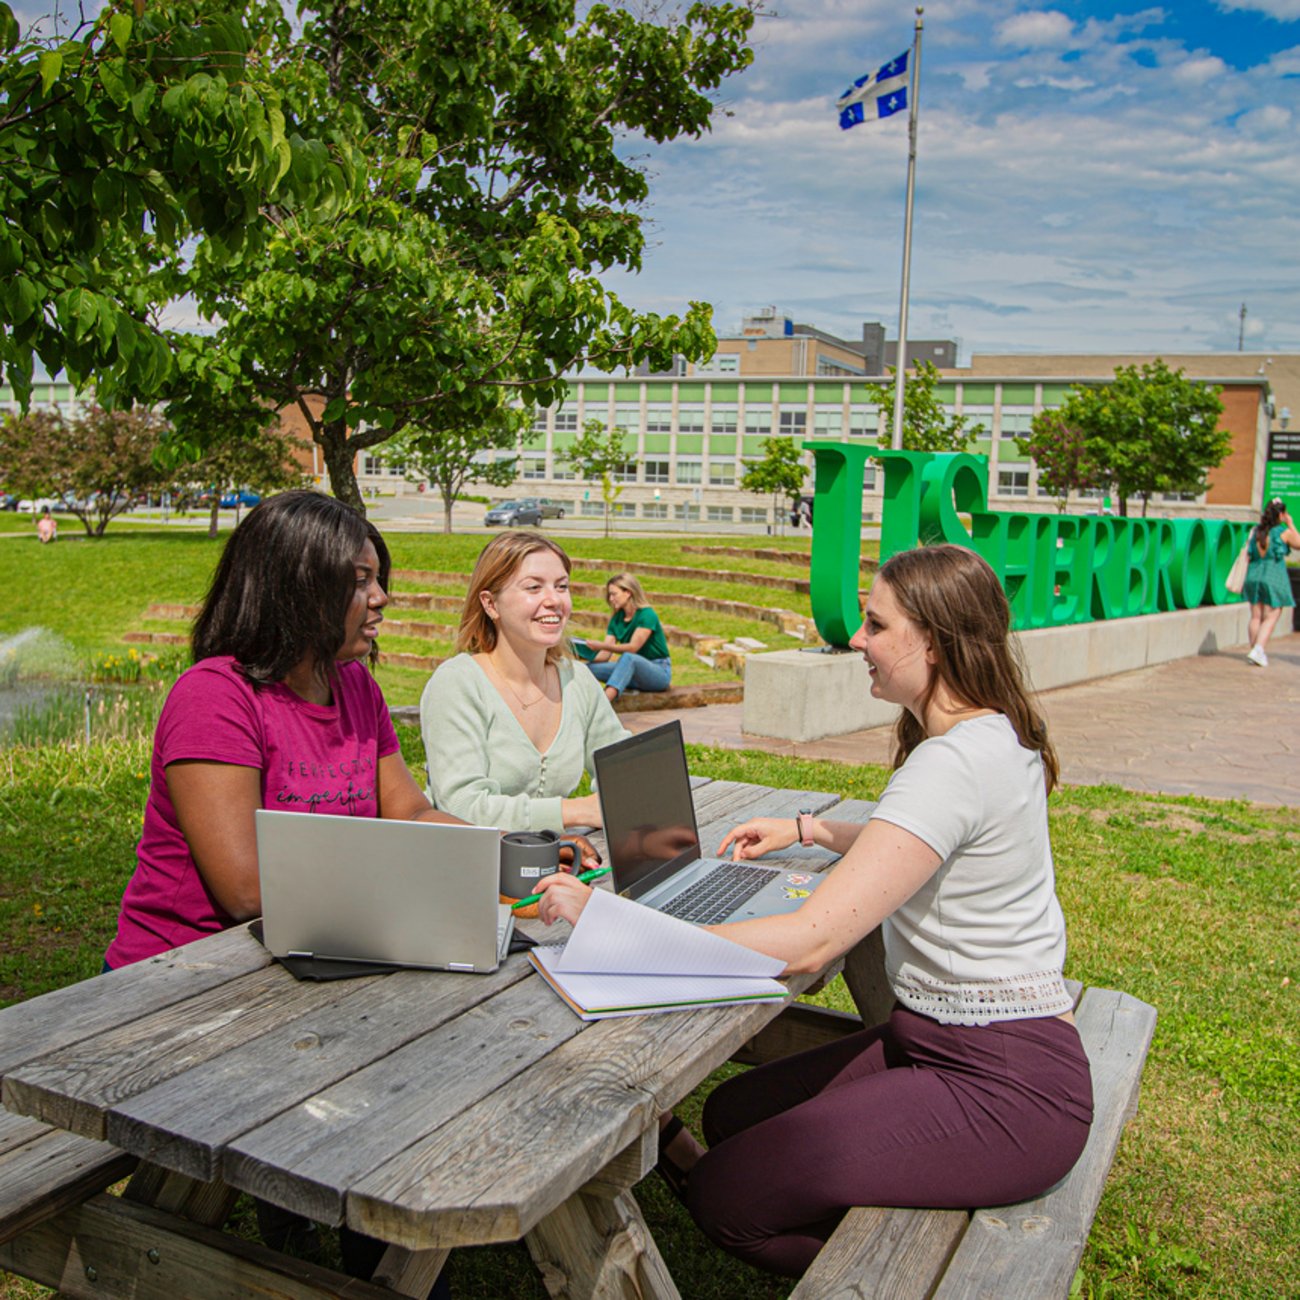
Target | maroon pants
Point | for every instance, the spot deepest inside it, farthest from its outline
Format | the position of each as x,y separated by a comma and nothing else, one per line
910,1113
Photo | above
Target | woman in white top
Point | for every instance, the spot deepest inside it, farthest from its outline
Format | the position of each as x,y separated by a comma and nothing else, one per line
977,1090
510,724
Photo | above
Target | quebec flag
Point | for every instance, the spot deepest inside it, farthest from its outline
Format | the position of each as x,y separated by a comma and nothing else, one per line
880,94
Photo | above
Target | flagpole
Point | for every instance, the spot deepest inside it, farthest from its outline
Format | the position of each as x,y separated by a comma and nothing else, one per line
900,368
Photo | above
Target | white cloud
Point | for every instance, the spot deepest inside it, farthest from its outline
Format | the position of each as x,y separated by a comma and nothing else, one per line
1197,72
1038,29
1286,63
1283,10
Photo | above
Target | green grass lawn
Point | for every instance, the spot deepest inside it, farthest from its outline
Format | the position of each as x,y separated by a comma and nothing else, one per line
1189,904
86,593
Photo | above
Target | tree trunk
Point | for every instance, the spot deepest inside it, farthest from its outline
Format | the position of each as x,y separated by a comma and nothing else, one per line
1123,506
448,500
214,519
333,441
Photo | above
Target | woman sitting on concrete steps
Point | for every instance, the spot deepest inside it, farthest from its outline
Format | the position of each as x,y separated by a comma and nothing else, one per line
636,636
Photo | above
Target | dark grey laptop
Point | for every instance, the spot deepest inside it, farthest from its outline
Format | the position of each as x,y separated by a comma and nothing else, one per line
397,893
654,841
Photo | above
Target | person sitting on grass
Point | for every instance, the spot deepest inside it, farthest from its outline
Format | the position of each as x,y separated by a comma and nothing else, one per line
47,529
636,636
977,1090
279,710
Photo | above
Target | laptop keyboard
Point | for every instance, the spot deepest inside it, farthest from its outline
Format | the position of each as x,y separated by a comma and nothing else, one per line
714,898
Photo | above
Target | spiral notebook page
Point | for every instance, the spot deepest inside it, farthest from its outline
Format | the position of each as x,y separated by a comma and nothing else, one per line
615,936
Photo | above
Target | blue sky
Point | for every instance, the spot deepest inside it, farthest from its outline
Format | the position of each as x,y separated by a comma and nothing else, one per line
1091,177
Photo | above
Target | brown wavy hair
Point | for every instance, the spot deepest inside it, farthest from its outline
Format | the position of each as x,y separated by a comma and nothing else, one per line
497,563
1268,520
955,598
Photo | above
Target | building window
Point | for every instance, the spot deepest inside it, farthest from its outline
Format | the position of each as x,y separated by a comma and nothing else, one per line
758,420
627,417
654,510
720,363
979,419
793,423
828,421
1180,496
723,419
722,473
753,515
687,512
590,507
566,420
533,467
869,477
563,470
1015,424
539,420
656,471
622,509
659,417
690,419
1013,482
689,471
624,473
720,514
864,421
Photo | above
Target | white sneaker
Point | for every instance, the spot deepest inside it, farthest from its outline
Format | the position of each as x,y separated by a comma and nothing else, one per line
1257,657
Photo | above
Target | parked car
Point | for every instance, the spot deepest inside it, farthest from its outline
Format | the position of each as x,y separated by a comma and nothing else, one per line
513,513
39,505
8,501
246,499
550,509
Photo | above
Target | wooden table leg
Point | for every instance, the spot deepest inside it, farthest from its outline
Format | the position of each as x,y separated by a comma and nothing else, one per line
409,1272
864,973
206,1203
599,1248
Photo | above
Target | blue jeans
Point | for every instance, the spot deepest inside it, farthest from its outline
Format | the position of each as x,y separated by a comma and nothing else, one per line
636,671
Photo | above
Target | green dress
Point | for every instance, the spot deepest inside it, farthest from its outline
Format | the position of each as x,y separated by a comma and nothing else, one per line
1267,582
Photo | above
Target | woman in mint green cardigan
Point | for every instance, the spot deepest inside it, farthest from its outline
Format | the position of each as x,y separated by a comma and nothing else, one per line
511,722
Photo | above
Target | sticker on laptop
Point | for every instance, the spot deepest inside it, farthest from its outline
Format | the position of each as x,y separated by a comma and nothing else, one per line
795,893
797,878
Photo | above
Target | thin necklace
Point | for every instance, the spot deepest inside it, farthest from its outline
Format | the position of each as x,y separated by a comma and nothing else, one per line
523,704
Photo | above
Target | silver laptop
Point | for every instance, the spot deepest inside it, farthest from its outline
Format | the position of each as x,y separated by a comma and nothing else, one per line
396,893
654,841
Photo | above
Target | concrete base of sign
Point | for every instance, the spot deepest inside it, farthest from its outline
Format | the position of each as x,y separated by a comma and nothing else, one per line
800,695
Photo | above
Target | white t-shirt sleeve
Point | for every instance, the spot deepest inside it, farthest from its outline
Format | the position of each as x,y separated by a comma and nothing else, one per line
936,795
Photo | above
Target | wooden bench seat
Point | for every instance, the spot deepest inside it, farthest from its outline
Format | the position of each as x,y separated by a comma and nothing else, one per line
1027,1250
45,1170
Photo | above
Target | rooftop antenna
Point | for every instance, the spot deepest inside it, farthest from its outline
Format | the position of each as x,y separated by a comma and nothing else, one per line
1241,329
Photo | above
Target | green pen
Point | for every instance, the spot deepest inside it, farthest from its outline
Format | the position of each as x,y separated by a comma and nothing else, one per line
584,876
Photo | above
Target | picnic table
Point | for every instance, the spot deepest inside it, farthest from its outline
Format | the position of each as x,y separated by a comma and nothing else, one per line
433,1110
430,1110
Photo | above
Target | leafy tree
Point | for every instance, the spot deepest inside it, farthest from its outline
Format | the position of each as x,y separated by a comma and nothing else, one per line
927,425
780,473
121,139
488,195
1149,430
96,462
1060,451
596,453
451,458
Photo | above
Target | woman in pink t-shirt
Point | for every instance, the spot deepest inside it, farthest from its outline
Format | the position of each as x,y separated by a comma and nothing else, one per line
278,711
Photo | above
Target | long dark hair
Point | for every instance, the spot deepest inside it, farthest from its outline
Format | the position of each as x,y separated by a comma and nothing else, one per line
1268,520
956,599
283,586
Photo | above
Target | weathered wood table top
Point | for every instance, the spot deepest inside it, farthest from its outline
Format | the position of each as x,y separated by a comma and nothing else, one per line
426,1109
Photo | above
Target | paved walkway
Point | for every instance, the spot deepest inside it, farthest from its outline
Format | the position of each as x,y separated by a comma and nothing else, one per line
1212,725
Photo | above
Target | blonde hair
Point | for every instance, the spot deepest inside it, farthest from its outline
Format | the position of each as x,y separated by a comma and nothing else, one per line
955,598
497,563
629,584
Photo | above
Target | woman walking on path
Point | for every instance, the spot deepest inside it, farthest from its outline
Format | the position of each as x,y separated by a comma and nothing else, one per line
636,636
1267,586
977,1090
510,723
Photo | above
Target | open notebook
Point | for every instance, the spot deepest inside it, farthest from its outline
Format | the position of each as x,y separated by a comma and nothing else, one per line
623,959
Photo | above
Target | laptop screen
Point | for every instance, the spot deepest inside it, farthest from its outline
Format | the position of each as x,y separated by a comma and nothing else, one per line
646,804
